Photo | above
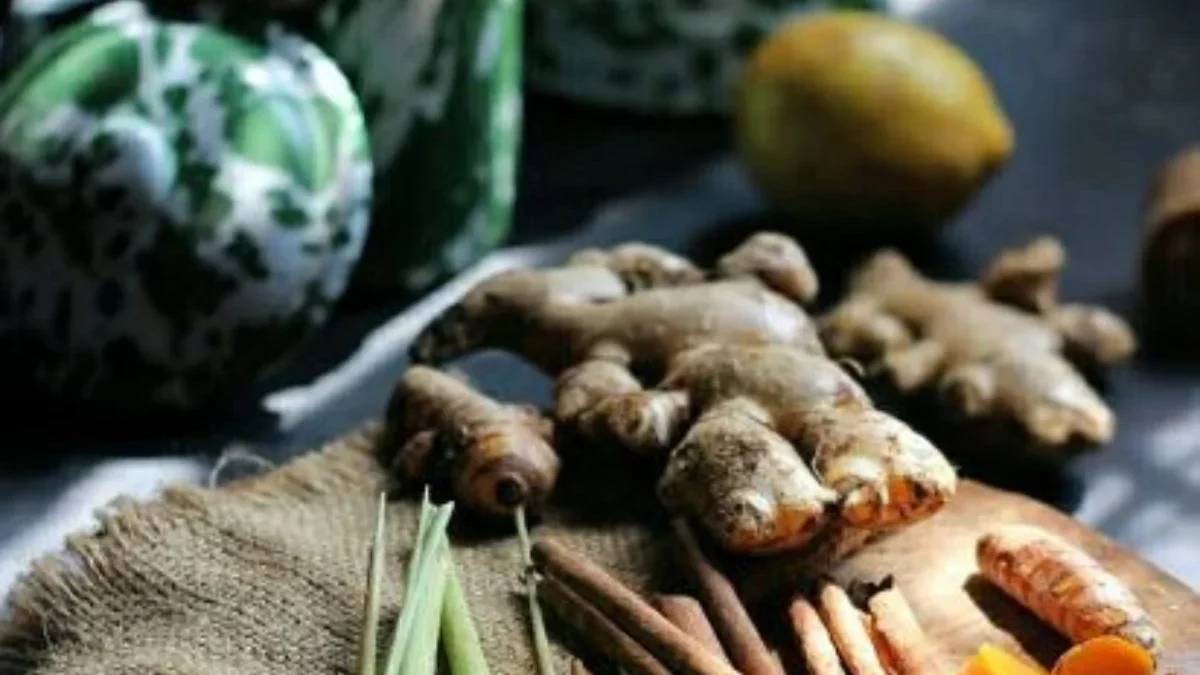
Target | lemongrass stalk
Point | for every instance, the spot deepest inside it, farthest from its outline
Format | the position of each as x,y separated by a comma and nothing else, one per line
370,624
420,568
541,644
460,639
402,630
427,511
420,655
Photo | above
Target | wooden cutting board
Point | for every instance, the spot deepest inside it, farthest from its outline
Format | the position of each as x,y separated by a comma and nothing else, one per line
934,564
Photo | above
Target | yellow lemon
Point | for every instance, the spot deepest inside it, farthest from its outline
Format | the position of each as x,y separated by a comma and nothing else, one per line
857,119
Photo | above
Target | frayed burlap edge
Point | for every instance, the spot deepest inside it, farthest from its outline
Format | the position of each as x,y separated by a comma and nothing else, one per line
41,601
62,607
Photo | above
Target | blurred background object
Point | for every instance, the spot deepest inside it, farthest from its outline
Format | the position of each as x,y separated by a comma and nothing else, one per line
1170,262
182,275
859,123
678,57
440,82
180,207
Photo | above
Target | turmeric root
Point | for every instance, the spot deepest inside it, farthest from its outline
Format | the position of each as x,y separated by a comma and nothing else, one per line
496,457
1002,349
1063,586
742,379
992,660
1107,654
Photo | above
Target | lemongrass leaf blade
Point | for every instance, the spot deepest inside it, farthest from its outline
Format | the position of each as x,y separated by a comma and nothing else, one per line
421,568
369,644
420,656
427,512
460,638
401,630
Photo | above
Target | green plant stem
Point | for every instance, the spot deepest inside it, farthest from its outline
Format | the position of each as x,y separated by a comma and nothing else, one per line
427,511
460,638
421,566
420,655
541,644
370,624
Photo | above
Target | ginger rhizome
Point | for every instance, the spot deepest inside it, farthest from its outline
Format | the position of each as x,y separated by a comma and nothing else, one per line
719,371
1064,586
495,456
1000,350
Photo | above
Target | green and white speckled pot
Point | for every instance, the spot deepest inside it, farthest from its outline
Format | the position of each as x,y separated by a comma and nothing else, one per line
179,207
653,56
440,81
440,84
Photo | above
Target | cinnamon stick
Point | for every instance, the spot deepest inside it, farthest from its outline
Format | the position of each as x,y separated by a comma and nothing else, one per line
687,614
741,638
849,631
820,654
911,651
604,635
629,611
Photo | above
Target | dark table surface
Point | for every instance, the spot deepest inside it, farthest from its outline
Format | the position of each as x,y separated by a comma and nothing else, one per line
1100,92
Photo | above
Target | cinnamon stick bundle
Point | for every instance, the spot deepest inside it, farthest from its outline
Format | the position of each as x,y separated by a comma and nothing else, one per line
627,610
747,651
850,632
909,649
814,640
605,636
687,614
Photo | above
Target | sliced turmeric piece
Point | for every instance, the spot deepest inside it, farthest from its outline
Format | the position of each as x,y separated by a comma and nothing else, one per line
992,660
1106,655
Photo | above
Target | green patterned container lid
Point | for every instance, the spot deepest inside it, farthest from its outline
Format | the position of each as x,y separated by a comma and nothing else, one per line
179,207
656,56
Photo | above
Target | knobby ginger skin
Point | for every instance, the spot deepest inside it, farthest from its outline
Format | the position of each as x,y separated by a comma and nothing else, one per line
1064,586
1002,349
722,373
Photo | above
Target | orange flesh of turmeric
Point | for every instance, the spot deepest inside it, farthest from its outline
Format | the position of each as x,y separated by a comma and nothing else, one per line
992,660
1105,655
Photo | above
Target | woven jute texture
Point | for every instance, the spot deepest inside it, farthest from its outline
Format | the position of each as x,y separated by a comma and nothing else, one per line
267,575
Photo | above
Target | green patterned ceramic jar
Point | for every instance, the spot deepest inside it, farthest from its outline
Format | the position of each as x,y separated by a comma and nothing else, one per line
653,56
440,81
440,84
180,207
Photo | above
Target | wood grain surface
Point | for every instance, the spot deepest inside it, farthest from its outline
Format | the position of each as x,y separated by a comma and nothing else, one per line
934,564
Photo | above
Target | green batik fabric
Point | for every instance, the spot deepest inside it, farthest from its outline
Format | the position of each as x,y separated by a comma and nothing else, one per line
440,84
179,207
657,56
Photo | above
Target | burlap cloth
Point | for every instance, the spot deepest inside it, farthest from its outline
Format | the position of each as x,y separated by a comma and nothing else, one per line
267,575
